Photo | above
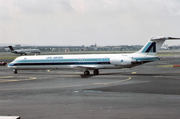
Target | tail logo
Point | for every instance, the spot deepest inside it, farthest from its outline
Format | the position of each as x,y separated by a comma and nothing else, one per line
150,47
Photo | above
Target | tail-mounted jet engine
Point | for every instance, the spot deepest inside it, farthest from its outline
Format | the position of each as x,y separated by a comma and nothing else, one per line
122,61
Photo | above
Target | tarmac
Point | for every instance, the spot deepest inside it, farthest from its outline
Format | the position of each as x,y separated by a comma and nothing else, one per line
148,91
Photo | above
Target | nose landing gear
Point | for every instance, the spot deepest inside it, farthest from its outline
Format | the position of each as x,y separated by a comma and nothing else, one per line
15,71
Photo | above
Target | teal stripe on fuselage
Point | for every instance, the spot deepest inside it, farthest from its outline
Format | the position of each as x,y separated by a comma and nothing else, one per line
140,59
64,60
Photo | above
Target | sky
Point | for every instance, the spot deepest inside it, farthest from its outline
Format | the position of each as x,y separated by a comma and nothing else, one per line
86,22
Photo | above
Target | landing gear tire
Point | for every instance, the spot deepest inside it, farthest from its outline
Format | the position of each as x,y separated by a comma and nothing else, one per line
96,72
15,71
86,73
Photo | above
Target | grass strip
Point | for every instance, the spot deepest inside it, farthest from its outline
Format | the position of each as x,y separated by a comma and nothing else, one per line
165,66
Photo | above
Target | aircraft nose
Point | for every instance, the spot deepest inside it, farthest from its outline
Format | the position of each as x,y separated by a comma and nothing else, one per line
10,64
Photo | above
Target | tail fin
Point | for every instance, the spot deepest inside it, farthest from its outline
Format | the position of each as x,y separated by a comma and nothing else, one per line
11,48
154,45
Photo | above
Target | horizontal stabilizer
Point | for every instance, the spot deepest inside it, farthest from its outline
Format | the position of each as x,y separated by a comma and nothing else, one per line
164,38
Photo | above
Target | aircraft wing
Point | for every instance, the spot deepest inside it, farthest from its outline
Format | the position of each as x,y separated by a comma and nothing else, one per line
84,67
21,52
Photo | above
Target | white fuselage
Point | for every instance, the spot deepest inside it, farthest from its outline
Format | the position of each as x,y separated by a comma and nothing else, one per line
88,61
91,61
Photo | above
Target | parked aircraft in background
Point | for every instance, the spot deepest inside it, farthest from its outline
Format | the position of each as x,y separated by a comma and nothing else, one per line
164,48
2,63
24,51
93,62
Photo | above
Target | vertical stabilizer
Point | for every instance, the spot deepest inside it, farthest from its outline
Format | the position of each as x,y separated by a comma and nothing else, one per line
154,44
11,48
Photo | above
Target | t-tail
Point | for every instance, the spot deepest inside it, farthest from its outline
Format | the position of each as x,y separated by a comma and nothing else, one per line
11,48
154,44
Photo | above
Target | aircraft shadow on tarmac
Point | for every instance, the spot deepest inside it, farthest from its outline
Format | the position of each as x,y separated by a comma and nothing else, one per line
124,74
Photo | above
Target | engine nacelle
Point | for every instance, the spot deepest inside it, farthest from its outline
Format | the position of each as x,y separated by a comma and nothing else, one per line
122,61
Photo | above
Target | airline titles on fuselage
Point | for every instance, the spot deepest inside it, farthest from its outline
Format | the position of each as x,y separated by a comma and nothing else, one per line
54,58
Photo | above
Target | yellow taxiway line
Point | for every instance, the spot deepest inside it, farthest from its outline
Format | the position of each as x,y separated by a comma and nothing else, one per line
14,78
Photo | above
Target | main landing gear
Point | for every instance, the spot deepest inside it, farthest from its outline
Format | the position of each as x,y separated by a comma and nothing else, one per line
86,73
95,72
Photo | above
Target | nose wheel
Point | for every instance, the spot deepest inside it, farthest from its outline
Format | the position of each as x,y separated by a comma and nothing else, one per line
15,71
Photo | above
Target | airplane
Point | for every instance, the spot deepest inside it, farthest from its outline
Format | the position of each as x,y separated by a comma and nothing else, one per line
24,51
95,62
